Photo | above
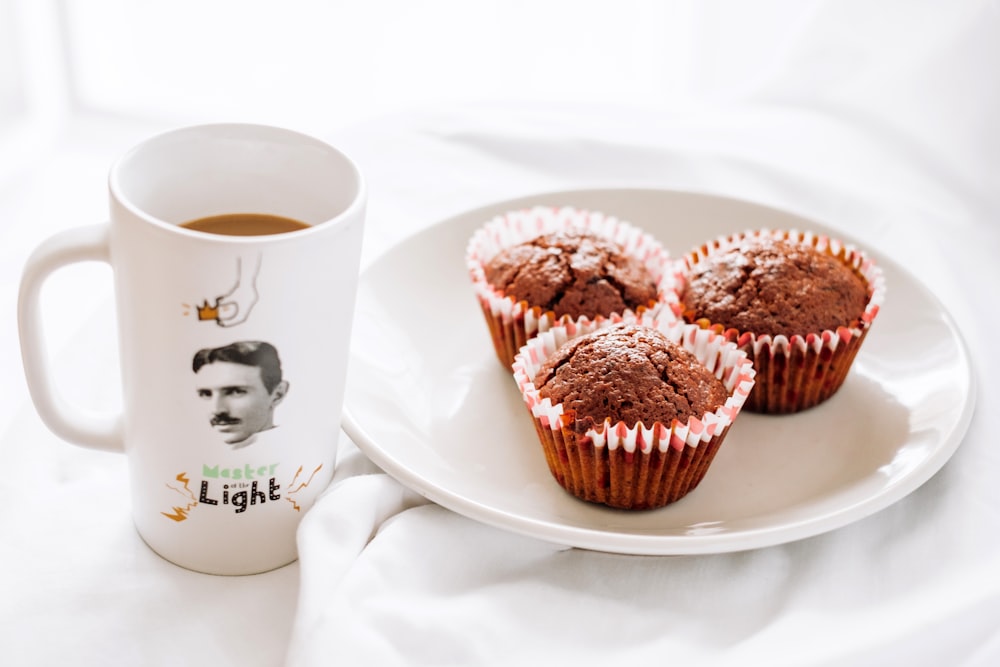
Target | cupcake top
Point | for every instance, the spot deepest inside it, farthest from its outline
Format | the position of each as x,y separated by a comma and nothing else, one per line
630,373
769,285
572,273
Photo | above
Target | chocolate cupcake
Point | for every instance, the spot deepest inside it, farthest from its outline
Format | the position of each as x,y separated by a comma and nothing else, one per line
533,269
798,304
632,415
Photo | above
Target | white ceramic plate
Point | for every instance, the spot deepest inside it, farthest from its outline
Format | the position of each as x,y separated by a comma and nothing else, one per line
429,403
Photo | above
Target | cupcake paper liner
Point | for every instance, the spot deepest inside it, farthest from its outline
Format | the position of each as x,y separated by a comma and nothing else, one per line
637,467
511,322
801,371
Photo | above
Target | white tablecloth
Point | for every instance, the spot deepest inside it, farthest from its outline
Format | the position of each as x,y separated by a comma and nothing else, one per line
895,141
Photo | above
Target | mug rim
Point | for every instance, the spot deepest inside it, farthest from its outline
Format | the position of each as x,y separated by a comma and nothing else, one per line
116,188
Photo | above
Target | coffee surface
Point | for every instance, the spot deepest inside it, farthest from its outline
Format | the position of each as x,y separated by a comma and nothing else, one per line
245,224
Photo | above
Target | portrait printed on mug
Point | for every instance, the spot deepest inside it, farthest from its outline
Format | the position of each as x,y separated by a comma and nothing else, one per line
241,385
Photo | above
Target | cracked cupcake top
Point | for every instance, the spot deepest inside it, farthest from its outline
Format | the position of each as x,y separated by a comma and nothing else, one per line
773,286
573,274
630,373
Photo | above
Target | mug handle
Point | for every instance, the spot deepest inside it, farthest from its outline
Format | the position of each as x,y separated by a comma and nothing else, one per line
69,422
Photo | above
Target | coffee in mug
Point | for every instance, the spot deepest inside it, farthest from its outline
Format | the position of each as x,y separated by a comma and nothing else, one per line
233,347
244,224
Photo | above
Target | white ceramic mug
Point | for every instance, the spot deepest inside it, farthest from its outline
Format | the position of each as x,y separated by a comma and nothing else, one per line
233,348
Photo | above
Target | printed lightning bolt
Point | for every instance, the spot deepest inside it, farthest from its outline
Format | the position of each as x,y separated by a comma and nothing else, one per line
301,486
180,513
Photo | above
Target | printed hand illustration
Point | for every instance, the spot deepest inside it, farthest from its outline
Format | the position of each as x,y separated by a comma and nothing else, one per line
234,306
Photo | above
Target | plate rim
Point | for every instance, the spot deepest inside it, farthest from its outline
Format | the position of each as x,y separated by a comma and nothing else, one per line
593,538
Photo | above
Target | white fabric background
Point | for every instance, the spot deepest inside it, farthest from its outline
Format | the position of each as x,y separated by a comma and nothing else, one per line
882,119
